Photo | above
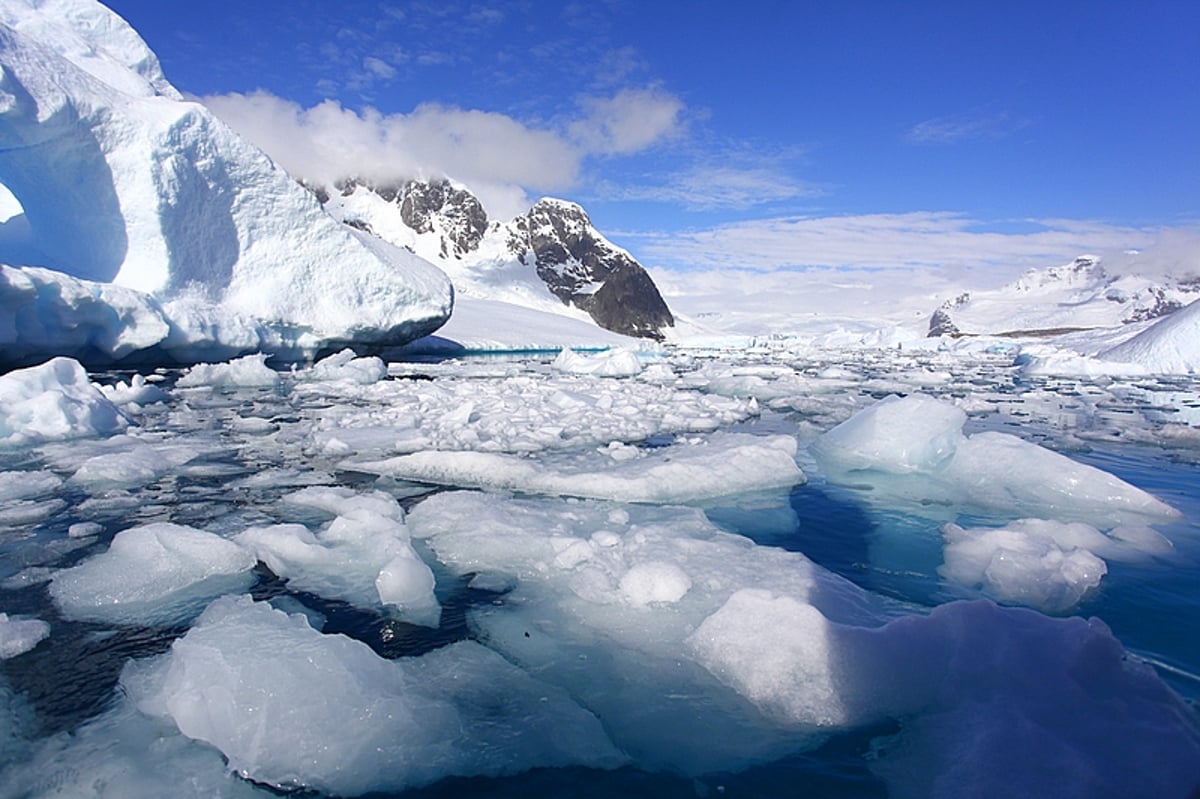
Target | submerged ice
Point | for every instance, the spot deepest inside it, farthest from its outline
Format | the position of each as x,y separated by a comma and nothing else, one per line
602,624
344,720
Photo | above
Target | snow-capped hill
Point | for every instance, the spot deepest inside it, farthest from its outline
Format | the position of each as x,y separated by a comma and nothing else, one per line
1080,295
120,181
1082,274
583,268
551,258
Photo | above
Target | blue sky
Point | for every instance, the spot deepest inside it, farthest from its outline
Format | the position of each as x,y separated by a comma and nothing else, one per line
719,135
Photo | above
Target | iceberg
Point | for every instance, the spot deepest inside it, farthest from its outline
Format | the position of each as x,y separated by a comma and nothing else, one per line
54,402
914,448
158,573
154,223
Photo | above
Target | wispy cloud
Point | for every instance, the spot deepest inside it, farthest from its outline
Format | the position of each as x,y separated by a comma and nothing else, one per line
629,121
918,240
970,125
707,187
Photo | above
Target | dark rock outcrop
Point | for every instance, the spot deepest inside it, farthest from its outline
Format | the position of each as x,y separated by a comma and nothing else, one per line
555,238
584,269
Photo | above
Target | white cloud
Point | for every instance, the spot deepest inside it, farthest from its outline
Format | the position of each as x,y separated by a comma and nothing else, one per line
711,187
918,240
379,68
628,122
497,156
965,126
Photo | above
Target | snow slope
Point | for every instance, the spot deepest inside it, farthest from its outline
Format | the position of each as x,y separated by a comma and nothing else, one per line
551,258
121,182
1079,295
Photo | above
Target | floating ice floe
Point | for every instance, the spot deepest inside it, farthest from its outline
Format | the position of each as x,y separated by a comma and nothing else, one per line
344,366
744,652
597,592
1040,563
119,753
496,409
136,393
618,362
128,462
690,471
154,574
54,401
363,556
250,371
18,636
345,721
914,448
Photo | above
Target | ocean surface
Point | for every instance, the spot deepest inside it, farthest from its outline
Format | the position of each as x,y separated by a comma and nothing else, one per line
248,447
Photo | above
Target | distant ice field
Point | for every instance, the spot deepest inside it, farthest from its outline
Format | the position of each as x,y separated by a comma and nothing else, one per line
862,572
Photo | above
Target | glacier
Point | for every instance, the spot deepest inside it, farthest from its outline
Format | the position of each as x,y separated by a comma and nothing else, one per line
188,243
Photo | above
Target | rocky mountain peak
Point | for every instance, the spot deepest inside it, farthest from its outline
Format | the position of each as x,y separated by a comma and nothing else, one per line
445,222
584,269
436,207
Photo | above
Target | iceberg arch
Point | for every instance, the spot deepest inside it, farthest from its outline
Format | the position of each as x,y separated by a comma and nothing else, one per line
125,185
47,158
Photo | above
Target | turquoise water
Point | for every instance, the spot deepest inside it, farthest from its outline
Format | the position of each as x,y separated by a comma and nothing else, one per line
1153,607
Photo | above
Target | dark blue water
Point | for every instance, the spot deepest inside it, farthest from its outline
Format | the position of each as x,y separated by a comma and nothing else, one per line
1153,607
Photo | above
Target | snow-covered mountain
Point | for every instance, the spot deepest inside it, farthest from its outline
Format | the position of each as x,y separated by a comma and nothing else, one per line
123,184
1080,295
550,258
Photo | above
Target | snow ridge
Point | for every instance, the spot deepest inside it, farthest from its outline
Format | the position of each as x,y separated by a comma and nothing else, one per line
551,258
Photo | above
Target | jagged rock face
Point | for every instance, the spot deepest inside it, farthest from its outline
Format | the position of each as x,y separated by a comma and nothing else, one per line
940,324
555,240
462,217
581,268
1159,305
436,207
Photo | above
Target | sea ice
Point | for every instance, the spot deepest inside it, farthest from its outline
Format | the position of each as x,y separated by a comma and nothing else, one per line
1042,564
18,636
692,471
54,401
18,485
363,556
158,573
914,448
249,371
134,394
619,362
597,592
807,651
120,754
499,408
344,366
129,462
291,707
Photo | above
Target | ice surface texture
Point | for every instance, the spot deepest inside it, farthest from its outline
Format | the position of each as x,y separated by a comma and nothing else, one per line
54,401
289,706
914,447
156,574
18,636
717,466
176,206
